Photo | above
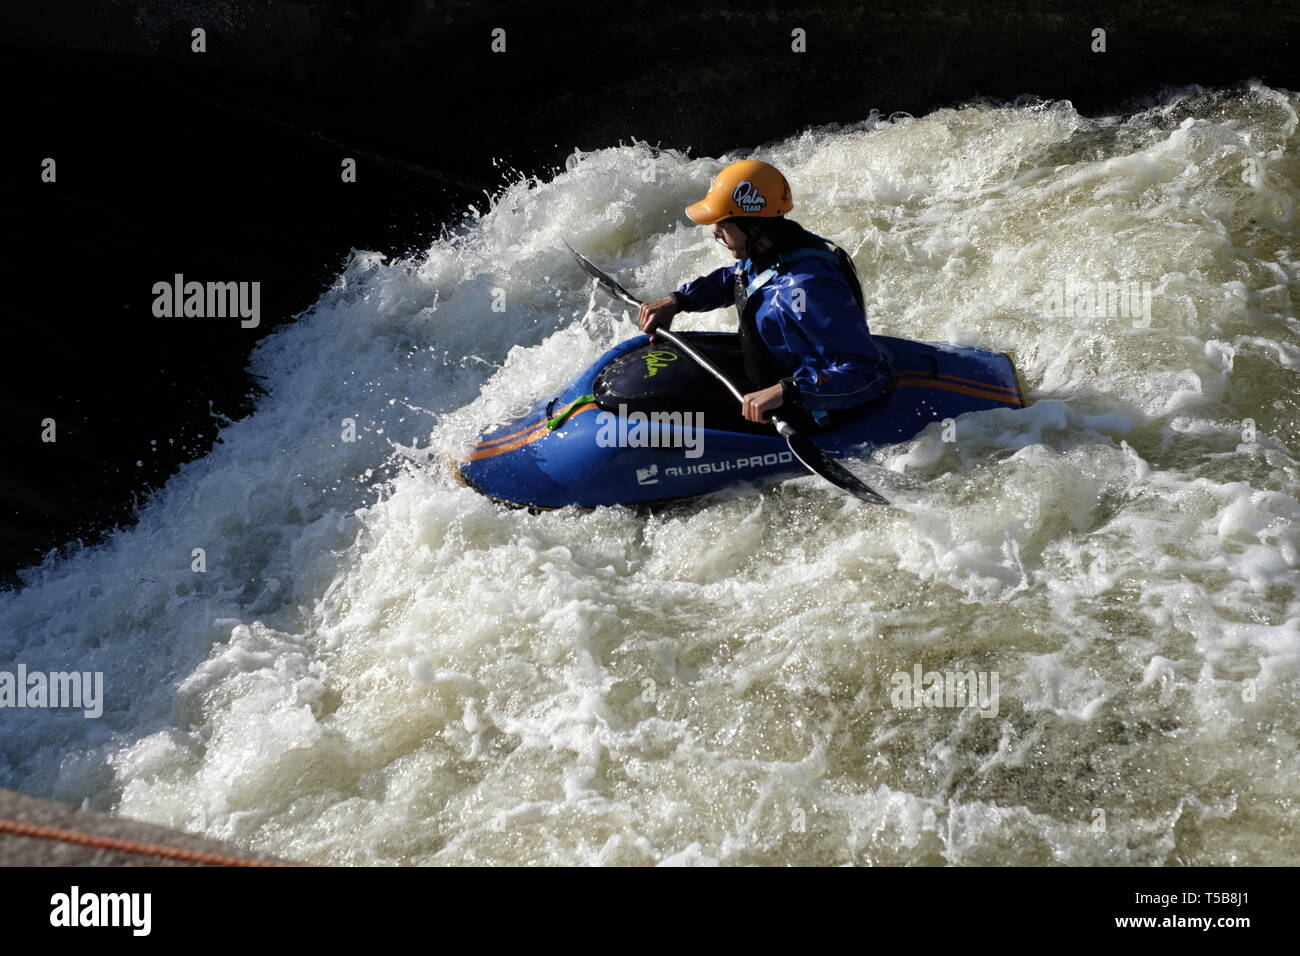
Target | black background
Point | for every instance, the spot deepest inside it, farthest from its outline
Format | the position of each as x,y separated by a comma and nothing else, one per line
225,165
1055,909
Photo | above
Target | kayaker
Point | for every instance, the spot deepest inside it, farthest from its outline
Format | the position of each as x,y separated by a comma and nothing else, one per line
803,328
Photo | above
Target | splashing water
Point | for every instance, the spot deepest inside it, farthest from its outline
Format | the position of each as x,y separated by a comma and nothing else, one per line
380,666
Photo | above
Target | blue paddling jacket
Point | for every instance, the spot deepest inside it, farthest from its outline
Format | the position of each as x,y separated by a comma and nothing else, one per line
808,319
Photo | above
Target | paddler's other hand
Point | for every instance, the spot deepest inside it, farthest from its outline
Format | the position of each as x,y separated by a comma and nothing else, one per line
758,404
656,315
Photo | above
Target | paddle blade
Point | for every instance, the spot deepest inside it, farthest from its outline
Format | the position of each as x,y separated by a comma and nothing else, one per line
816,461
609,282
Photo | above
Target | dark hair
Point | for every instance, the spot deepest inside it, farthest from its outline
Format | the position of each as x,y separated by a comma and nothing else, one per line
785,234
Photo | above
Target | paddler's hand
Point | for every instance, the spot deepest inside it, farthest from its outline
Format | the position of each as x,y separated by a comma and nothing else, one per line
758,404
656,315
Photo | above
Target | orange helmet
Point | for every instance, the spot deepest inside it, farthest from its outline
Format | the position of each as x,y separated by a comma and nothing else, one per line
746,188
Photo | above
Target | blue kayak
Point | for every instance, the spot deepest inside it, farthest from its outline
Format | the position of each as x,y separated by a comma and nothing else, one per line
645,424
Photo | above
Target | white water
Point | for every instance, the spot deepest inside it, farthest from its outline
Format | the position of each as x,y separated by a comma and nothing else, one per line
379,666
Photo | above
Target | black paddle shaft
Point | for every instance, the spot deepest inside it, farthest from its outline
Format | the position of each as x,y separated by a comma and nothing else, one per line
803,448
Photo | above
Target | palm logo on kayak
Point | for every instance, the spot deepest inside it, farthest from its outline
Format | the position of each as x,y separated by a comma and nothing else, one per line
747,197
656,360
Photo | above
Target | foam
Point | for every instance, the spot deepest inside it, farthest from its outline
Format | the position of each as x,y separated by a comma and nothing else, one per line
380,666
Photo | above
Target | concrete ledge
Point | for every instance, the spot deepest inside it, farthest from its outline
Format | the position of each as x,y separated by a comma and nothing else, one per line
48,848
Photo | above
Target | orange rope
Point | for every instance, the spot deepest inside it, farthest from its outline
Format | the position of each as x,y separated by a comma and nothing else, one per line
39,832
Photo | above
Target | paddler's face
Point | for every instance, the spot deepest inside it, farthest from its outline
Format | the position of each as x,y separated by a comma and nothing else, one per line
731,236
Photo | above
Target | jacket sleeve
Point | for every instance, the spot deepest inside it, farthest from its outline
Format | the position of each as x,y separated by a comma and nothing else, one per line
846,366
713,291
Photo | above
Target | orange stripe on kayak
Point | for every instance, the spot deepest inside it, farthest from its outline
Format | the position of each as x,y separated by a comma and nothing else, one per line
527,437
928,382
958,378
505,438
